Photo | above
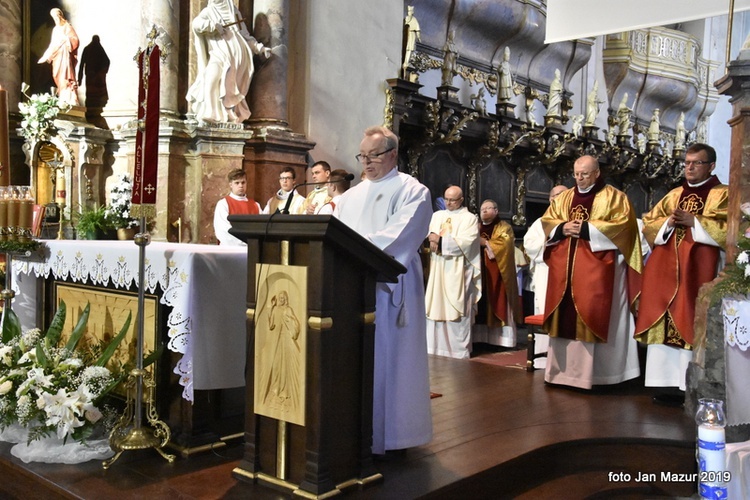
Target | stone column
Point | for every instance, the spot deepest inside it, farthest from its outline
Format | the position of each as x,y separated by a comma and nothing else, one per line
11,37
166,16
268,92
273,145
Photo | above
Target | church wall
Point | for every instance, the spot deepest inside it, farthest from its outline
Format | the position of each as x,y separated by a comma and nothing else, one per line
352,48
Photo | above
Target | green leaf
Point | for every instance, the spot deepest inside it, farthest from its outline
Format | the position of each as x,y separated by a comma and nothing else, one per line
11,326
56,326
112,347
153,356
41,357
80,328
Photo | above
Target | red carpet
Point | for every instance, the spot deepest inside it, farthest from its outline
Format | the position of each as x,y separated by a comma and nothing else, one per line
512,359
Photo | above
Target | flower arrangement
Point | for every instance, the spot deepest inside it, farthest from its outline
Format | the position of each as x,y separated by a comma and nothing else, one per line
39,114
118,211
54,389
736,275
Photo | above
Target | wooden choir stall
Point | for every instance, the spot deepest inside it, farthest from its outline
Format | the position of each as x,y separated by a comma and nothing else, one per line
310,323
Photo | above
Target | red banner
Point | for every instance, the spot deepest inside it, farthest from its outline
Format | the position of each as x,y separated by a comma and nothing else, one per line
143,202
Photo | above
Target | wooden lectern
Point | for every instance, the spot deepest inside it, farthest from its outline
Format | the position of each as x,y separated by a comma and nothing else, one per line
310,331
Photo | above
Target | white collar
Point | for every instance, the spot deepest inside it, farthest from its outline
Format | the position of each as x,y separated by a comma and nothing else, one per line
392,173
700,183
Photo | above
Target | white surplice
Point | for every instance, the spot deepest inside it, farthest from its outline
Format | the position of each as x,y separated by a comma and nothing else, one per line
454,285
394,213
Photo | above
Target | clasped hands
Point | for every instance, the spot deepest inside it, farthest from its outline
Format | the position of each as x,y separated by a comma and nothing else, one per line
681,218
572,229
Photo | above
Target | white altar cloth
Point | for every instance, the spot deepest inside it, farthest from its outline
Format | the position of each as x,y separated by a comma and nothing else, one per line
738,464
736,315
205,286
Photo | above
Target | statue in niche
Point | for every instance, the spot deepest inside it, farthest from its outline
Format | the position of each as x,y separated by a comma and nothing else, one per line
554,105
642,143
680,132
654,127
449,60
701,133
62,54
530,109
505,78
577,125
593,105
225,51
412,36
94,65
623,116
478,102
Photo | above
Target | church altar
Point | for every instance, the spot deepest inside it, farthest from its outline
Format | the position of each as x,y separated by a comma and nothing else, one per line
203,286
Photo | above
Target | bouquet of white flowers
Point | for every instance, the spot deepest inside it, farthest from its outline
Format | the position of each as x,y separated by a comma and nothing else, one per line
39,113
118,210
51,388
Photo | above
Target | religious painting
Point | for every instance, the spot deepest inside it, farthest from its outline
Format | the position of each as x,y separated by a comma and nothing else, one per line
280,342
108,312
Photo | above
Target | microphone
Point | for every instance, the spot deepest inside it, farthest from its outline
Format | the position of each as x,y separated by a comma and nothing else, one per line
347,177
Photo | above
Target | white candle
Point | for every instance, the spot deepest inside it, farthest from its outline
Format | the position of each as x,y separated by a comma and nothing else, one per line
4,138
60,193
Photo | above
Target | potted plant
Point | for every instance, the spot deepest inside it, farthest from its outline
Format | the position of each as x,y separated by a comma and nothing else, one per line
118,211
93,223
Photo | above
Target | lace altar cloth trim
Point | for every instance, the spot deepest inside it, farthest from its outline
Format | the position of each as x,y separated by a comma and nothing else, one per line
168,267
736,313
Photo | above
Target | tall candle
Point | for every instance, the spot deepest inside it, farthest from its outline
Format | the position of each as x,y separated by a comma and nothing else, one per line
25,215
711,461
60,193
12,214
3,214
4,139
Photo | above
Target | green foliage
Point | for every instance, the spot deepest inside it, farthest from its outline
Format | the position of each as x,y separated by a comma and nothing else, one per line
91,221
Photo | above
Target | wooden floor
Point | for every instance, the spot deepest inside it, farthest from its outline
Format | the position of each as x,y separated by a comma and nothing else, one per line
500,432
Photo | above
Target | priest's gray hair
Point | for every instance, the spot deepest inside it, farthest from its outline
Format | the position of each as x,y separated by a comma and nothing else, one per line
391,139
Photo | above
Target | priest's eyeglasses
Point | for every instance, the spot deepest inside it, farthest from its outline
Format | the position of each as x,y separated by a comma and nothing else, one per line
697,163
373,158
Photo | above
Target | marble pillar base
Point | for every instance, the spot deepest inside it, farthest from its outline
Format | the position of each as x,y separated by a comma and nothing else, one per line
218,149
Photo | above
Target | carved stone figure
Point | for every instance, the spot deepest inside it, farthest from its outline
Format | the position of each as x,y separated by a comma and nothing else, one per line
94,66
592,105
62,54
623,116
505,78
654,127
478,102
577,125
530,118
225,64
450,58
554,105
680,132
412,33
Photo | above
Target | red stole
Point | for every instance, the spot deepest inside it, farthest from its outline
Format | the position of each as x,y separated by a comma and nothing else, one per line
242,207
492,280
580,281
676,271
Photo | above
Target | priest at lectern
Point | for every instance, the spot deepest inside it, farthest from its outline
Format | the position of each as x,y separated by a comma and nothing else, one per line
392,210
